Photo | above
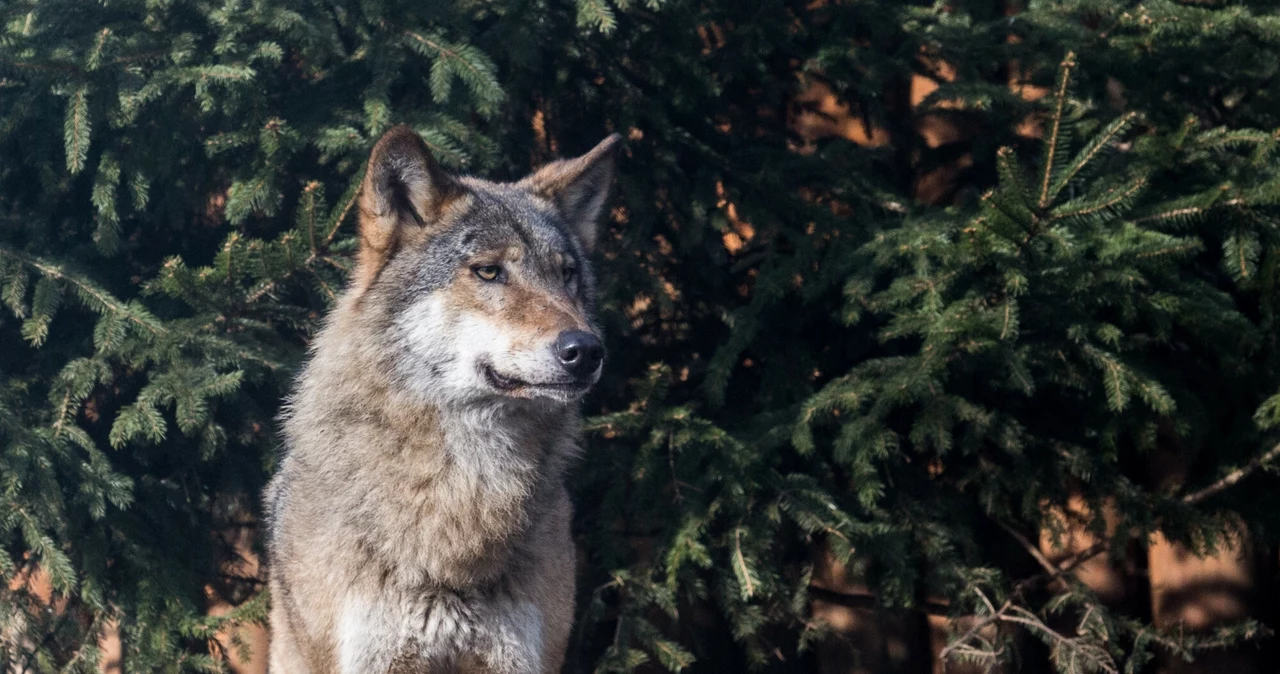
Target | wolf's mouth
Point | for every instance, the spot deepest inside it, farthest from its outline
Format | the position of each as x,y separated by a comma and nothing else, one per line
510,384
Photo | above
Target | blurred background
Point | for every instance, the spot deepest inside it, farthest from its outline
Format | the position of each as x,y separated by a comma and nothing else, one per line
942,335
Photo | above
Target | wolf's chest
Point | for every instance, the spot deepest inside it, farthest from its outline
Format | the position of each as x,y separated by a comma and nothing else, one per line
453,524
462,631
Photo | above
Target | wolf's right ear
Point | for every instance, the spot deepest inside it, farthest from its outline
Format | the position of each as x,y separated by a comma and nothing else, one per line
403,187
579,187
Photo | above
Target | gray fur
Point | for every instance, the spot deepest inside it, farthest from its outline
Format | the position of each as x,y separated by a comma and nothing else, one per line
419,521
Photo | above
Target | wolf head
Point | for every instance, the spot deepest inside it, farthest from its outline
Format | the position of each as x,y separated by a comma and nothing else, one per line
483,289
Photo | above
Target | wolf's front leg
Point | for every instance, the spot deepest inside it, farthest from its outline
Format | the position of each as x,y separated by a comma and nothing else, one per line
512,638
552,586
370,634
285,656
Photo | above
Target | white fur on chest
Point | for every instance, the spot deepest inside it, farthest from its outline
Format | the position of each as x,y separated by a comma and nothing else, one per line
438,627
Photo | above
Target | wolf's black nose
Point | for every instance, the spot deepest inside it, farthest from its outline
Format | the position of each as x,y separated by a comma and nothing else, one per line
579,352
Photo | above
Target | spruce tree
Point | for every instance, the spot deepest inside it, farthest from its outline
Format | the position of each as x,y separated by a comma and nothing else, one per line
803,357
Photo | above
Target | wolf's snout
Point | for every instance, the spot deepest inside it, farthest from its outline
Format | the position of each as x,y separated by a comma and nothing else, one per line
579,352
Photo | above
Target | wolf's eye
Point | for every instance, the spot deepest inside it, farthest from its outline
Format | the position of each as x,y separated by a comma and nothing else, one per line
488,272
570,273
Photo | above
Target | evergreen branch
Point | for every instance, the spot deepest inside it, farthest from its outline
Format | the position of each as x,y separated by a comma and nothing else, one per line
269,287
596,13
1011,612
462,62
1175,213
1012,197
1051,571
310,213
337,222
1232,478
1095,147
333,262
1243,247
137,316
1186,247
1188,210
325,286
976,629
95,56
1102,206
64,412
448,53
1095,654
1060,100
76,129
740,562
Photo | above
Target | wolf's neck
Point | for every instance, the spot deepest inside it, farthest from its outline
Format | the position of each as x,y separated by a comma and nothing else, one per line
446,492
478,498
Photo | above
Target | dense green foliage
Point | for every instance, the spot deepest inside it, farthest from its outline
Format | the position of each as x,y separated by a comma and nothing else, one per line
891,380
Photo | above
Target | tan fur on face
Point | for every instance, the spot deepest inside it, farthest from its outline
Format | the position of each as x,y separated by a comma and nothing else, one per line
529,313
416,527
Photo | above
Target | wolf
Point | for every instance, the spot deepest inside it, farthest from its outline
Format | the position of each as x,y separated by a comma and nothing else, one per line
419,520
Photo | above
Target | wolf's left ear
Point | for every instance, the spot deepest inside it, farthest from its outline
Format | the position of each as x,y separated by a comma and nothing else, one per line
579,187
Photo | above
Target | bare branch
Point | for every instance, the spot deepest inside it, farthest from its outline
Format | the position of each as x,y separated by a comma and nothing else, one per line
1235,476
1033,550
